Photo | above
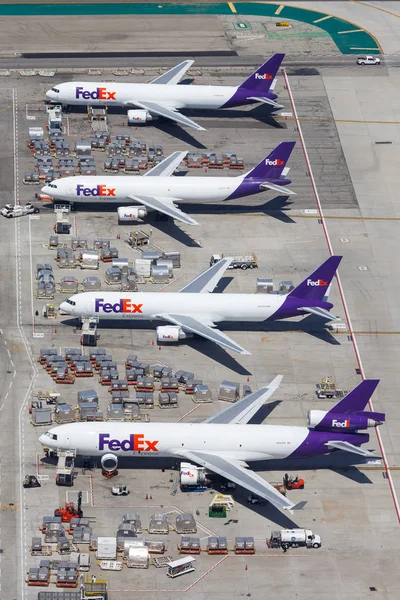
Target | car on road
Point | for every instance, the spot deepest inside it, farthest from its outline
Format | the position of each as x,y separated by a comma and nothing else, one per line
18,210
368,60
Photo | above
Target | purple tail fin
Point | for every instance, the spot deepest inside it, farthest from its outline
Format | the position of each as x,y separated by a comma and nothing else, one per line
271,167
357,399
262,79
316,285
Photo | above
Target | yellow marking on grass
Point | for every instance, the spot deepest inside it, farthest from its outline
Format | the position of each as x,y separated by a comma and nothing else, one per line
232,7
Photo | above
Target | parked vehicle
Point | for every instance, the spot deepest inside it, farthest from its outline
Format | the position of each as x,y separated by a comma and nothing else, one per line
18,210
294,538
119,490
368,60
239,262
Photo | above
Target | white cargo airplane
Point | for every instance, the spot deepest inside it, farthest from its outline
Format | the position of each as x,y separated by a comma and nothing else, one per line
225,443
158,191
163,98
194,310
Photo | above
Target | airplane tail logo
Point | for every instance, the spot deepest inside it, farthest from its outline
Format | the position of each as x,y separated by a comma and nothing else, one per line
271,167
315,285
261,80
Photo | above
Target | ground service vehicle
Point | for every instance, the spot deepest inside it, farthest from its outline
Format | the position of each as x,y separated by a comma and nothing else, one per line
294,538
30,481
368,60
238,262
119,490
293,483
69,511
18,210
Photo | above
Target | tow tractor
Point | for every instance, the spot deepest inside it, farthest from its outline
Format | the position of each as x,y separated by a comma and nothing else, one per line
31,481
119,490
69,511
293,483
18,210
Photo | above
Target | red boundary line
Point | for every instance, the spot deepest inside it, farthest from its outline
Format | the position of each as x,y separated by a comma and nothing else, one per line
353,341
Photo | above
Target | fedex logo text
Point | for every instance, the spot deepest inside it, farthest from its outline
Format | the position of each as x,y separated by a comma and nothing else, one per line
135,443
125,305
99,190
275,163
318,283
263,76
98,94
345,423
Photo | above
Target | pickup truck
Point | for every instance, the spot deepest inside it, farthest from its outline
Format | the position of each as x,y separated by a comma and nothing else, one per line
368,60
18,210
243,262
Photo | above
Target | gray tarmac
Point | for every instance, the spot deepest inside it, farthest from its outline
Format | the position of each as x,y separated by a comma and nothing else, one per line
352,507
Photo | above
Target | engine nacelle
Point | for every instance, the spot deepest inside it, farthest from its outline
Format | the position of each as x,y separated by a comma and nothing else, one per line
131,213
192,475
109,462
139,116
171,333
327,421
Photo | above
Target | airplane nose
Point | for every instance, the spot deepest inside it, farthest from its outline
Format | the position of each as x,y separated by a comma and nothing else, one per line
43,440
46,190
66,308
50,95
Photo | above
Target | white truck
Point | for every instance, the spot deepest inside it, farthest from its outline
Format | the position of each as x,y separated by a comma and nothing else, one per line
368,60
244,262
18,210
294,538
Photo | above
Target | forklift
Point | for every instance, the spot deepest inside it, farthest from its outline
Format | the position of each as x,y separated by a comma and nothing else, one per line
293,483
69,511
31,481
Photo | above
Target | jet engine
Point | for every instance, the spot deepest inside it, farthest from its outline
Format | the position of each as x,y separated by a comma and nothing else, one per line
109,462
327,421
131,213
139,116
171,333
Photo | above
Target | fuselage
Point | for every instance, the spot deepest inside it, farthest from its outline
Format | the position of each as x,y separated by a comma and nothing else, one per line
125,94
243,442
118,189
150,306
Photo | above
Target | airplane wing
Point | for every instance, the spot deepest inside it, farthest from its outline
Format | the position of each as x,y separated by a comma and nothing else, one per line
205,330
266,185
156,108
235,471
347,447
242,411
268,101
320,312
167,166
174,75
164,205
209,279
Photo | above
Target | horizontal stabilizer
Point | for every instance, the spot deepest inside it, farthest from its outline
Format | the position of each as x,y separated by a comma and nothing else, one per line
347,447
165,206
320,312
277,188
268,101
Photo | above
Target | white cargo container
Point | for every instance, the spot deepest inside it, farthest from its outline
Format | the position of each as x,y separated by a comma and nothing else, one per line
143,267
106,548
138,557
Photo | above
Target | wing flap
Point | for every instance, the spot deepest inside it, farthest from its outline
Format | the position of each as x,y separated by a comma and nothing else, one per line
167,166
168,113
242,411
165,206
174,75
319,312
198,327
347,447
234,471
208,280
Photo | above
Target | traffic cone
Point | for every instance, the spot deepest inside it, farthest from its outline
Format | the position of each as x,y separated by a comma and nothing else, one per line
248,380
151,497
152,342
147,497
55,330
159,347
246,569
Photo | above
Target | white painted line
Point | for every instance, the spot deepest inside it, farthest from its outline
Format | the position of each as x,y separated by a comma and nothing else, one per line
1,407
323,19
341,292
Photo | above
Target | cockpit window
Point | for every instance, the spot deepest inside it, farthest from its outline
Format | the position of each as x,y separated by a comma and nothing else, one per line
71,302
52,436
55,90
52,185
